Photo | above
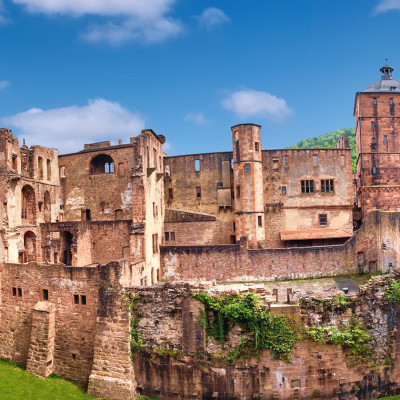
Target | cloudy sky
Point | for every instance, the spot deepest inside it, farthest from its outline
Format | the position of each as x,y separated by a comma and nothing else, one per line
80,71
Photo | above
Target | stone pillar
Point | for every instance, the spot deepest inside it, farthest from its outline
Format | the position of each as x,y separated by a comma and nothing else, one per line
112,375
41,349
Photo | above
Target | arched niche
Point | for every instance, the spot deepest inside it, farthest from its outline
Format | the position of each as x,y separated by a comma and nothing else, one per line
101,164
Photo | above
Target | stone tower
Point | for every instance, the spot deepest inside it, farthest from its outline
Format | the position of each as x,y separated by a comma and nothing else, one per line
248,184
377,112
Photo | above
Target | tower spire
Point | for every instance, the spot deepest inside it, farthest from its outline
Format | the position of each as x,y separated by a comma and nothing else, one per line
386,71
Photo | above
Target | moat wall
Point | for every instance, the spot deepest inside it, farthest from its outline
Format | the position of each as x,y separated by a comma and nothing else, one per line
375,246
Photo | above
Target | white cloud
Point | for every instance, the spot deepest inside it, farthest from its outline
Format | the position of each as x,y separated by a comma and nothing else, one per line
68,128
211,17
250,103
197,118
142,20
386,5
3,84
145,31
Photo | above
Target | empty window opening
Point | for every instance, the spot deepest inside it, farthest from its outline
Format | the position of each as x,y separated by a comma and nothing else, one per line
198,192
237,150
67,247
30,246
76,298
40,167
83,300
172,236
155,158
55,257
247,168
167,236
342,160
327,186
14,162
48,167
86,215
28,205
155,243
170,194
197,165
374,170
255,146
283,189
315,161
19,290
323,219
14,291
45,294
234,226
62,172
286,161
101,164
259,220
307,186
275,164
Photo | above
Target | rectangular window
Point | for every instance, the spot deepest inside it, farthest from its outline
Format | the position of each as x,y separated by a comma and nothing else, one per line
76,298
286,161
307,186
166,236
155,243
372,124
154,209
385,139
327,186
283,189
256,146
237,191
19,292
391,101
234,226
173,236
45,294
247,168
14,291
259,218
342,160
83,300
373,140
197,165
372,148
170,194
375,102
315,161
198,192
374,170
323,219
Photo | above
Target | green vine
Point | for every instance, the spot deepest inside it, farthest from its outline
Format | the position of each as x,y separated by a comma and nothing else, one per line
136,340
353,337
393,292
273,332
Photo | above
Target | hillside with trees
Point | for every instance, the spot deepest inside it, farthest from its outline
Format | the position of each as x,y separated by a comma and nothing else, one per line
328,141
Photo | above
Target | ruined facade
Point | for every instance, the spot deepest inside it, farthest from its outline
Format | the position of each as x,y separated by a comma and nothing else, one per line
85,237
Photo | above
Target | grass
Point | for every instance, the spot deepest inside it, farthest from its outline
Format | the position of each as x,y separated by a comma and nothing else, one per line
17,384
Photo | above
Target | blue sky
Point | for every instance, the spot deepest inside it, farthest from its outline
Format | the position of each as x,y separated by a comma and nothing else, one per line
80,71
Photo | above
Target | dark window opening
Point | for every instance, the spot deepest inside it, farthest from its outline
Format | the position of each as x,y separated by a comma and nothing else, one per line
172,236
45,295
166,236
234,226
323,219
238,191
237,150
83,300
76,298
372,140
256,146
283,189
373,148
67,248
198,192
259,218
327,186
102,164
88,215
307,186
19,292
14,291
170,194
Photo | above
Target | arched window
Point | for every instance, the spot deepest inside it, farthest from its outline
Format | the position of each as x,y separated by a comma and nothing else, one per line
30,246
62,172
47,208
102,164
28,205
66,243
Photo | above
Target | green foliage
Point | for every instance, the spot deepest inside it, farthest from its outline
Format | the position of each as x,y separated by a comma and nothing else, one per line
353,337
136,340
164,351
17,384
267,331
393,292
328,141
340,301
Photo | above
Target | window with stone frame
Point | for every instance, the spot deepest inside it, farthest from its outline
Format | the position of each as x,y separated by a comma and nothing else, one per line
327,186
307,186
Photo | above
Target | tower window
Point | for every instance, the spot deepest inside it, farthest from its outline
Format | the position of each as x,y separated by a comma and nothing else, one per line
237,191
283,189
256,146
391,102
342,160
286,161
375,101
247,168
323,219
307,186
259,218
315,161
198,192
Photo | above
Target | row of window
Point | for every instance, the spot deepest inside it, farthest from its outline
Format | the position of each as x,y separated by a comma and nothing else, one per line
391,102
78,299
